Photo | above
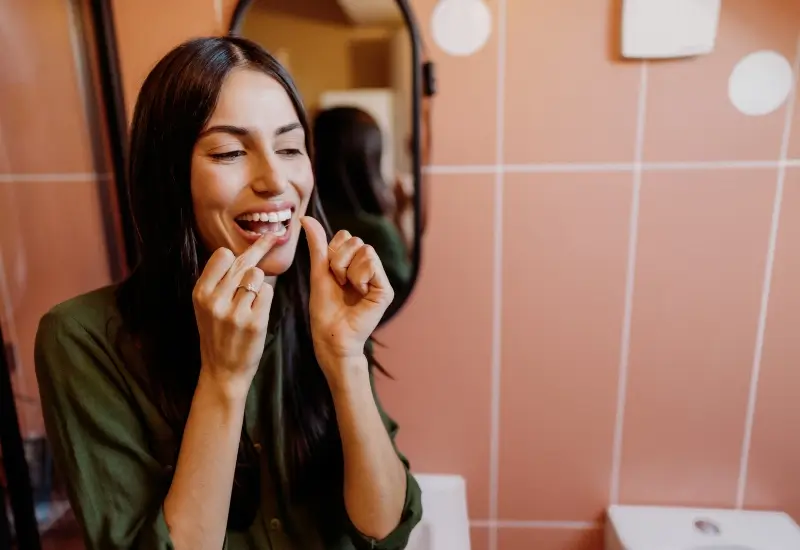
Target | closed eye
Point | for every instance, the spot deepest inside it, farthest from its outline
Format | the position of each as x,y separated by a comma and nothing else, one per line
290,152
228,155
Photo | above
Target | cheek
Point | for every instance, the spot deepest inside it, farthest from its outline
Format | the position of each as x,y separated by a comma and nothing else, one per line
211,186
211,197
304,183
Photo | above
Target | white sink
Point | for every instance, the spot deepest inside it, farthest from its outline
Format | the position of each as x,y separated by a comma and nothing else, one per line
673,528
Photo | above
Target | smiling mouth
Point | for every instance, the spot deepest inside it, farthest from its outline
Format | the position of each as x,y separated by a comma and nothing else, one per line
261,223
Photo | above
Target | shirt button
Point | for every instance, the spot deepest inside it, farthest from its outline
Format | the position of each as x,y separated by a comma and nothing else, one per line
275,524
257,447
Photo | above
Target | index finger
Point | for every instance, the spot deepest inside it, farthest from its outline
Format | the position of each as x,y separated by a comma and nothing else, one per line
249,258
215,269
317,243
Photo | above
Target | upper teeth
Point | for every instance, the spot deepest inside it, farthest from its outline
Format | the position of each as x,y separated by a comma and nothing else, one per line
273,217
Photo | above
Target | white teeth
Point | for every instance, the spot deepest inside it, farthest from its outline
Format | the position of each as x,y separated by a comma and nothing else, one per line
277,229
272,217
279,232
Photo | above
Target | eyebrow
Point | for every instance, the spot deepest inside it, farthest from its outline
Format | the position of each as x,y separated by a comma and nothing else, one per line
244,132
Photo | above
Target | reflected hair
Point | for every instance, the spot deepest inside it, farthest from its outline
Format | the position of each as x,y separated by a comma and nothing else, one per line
175,103
349,148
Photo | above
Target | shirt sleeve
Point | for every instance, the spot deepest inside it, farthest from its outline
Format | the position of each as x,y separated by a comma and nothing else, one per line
115,486
412,507
385,237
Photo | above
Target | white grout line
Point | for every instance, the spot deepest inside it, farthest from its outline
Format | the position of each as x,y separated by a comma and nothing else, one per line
549,167
81,74
461,169
514,524
54,178
497,274
755,373
710,165
630,278
218,15
577,167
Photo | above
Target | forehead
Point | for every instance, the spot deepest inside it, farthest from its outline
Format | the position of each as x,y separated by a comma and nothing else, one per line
253,99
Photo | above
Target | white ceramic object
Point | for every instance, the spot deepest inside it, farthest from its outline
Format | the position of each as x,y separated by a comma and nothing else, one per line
445,521
671,528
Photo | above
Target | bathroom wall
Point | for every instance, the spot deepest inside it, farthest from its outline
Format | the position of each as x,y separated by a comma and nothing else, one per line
609,291
609,299
54,180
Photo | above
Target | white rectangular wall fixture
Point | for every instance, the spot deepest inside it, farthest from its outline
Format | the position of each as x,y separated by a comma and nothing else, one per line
662,29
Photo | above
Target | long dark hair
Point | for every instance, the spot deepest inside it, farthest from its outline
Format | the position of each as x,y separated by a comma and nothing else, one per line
175,103
349,147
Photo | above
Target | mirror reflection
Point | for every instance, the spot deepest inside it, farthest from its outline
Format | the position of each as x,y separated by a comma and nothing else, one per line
351,62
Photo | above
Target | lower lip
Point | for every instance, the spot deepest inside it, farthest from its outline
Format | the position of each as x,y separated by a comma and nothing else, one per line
253,237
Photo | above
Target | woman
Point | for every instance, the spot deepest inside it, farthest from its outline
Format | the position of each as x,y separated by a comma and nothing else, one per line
353,192
222,395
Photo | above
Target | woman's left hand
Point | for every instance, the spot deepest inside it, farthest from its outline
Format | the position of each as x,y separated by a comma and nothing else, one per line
349,295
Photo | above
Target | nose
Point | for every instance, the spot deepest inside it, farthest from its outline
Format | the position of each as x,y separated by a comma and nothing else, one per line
269,177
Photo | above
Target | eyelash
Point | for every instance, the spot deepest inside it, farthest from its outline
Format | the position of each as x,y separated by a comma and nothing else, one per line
234,154
227,156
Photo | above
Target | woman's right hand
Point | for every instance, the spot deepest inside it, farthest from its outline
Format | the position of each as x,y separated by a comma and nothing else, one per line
232,320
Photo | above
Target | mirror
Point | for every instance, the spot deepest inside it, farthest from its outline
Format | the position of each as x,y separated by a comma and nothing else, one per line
355,65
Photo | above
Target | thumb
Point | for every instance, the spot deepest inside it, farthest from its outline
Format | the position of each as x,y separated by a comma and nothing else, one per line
317,242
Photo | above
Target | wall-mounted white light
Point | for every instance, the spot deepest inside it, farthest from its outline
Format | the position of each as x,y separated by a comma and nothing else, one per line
658,29
461,27
760,83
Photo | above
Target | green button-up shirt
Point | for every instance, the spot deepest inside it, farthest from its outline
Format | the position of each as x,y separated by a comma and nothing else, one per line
116,452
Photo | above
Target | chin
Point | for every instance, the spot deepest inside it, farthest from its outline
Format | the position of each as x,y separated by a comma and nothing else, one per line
273,269
278,261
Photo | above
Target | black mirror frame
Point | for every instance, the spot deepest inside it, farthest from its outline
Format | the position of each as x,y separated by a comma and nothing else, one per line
401,295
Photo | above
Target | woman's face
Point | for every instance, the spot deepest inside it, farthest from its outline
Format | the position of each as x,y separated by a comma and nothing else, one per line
250,170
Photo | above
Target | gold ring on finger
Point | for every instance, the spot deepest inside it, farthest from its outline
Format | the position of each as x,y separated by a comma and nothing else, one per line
249,288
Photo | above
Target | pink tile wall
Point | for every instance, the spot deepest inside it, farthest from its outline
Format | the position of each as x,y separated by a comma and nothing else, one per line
560,341
609,275
52,244
148,29
444,398
775,452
